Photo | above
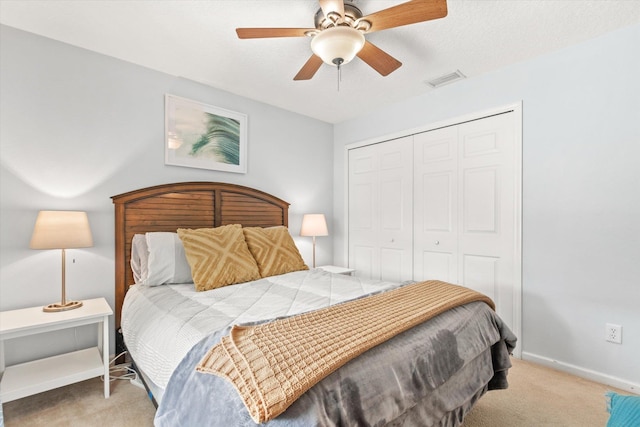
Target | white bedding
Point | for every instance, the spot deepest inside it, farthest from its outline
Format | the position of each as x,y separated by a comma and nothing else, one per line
160,324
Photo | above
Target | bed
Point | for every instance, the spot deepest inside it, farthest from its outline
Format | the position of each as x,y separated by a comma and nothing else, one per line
430,374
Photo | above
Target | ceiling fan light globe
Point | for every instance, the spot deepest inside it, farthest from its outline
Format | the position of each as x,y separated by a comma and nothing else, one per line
335,43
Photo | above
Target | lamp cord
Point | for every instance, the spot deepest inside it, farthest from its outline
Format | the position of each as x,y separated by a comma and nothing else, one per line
123,371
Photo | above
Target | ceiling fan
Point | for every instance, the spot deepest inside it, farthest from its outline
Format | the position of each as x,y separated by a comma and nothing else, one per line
339,32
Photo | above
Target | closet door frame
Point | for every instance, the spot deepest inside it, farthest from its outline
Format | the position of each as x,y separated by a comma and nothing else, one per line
516,108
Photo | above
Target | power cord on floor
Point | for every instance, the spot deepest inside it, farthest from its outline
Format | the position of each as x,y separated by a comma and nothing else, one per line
123,371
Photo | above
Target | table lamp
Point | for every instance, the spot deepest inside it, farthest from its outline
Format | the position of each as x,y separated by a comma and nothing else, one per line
314,225
61,230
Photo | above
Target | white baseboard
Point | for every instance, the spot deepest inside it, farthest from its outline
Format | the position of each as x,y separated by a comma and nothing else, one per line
582,372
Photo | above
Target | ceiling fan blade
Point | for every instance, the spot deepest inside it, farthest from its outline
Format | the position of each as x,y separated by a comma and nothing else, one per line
407,13
259,33
309,69
378,59
329,6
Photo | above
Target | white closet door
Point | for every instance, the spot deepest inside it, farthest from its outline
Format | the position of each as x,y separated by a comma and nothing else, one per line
465,207
436,205
461,223
364,164
380,214
487,197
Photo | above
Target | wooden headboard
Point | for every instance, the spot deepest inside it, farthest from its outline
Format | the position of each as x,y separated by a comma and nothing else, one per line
186,205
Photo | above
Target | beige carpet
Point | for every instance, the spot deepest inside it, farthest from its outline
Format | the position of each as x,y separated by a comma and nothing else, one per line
82,405
537,396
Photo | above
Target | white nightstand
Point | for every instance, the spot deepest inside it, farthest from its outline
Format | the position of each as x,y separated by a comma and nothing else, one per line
41,375
339,270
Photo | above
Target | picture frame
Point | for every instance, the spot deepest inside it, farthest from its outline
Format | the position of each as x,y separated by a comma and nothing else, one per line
203,136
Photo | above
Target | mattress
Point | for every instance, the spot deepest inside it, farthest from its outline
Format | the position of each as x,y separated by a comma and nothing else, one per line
430,375
161,324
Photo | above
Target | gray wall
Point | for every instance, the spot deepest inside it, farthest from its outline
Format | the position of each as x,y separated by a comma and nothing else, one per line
581,194
77,127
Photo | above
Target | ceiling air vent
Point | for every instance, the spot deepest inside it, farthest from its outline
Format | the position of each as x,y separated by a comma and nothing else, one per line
446,79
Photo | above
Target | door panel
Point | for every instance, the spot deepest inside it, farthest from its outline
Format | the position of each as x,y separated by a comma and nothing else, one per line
380,215
439,265
479,273
363,260
435,205
391,210
392,264
481,199
486,243
363,207
436,200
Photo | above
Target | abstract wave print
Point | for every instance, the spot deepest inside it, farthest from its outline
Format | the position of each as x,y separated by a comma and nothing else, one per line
221,140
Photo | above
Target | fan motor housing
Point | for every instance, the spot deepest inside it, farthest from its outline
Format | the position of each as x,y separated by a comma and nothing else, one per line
351,15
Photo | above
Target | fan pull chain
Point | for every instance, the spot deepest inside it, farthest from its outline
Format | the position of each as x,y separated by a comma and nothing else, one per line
338,62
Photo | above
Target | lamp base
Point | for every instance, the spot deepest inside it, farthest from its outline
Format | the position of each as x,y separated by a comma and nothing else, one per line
69,305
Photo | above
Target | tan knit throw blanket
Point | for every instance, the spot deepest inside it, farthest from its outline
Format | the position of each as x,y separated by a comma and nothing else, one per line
273,364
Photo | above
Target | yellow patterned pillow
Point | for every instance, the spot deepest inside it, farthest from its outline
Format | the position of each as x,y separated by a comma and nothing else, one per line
218,256
274,250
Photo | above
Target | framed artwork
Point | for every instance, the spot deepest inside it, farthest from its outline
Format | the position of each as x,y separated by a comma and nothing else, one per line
202,136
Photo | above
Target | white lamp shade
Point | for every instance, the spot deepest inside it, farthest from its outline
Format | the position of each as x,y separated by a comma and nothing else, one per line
314,225
61,230
337,43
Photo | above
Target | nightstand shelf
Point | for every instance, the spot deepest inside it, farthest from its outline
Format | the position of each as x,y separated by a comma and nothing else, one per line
52,372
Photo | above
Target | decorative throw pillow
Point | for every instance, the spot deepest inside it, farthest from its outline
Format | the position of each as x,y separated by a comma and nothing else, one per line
624,410
218,256
274,250
139,258
167,262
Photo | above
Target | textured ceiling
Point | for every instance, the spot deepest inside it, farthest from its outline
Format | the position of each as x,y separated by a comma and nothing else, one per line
197,40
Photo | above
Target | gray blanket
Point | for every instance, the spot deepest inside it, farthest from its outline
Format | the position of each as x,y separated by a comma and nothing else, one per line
430,375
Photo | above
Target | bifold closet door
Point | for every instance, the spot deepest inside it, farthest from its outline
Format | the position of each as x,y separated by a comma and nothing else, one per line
436,205
380,213
465,207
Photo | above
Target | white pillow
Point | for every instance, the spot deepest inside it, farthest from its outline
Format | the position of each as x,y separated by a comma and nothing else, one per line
167,262
139,258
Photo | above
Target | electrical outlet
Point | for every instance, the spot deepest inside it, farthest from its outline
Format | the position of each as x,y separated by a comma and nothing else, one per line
614,333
